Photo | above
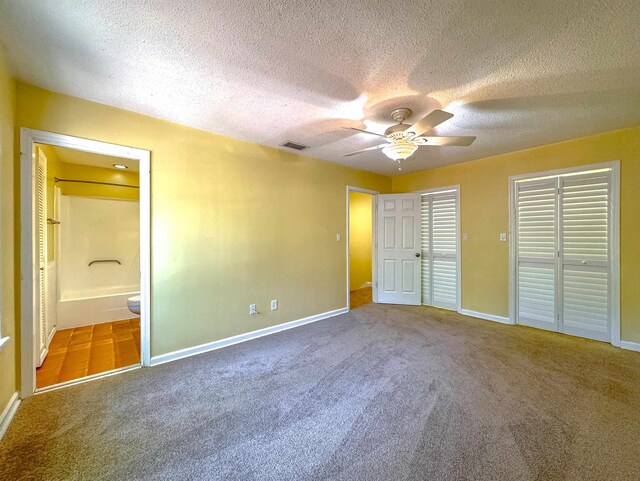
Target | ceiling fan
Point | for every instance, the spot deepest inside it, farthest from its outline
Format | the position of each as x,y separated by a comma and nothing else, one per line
404,139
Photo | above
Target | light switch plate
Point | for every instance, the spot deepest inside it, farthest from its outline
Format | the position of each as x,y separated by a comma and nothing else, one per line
274,304
338,237
465,237
503,237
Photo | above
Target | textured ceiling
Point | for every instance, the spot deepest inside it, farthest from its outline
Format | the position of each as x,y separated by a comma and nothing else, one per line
515,73
72,156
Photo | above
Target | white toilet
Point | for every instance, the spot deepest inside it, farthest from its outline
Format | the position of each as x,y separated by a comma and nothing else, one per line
133,303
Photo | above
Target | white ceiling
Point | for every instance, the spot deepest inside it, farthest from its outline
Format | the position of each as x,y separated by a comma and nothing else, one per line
515,73
72,156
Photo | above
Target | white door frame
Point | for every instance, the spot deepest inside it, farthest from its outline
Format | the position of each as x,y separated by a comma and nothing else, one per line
614,241
455,188
29,137
374,242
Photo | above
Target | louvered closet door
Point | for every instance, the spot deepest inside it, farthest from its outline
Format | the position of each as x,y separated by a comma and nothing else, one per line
425,249
439,230
585,205
537,250
41,275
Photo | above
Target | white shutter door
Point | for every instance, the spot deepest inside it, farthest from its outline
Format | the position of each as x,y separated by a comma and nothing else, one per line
536,247
586,205
425,240
41,239
444,234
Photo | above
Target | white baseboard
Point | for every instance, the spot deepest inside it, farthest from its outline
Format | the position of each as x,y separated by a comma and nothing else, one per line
8,413
212,346
482,315
630,346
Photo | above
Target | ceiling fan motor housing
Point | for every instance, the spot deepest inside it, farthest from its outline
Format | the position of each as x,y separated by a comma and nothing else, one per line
396,131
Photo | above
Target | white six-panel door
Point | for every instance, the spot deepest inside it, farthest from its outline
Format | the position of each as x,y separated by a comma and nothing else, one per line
399,249
439,243
563,254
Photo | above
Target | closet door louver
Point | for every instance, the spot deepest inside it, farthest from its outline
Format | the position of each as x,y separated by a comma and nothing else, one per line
41,238
444,249
537,250
425,241
585,205
439,231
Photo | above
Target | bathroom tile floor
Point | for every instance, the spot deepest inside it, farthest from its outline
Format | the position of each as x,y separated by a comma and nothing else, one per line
87,350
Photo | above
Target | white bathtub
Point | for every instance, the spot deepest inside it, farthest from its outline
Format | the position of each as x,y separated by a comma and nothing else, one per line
85,308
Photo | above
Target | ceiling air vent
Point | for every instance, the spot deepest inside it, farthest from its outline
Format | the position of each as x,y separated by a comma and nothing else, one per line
294,145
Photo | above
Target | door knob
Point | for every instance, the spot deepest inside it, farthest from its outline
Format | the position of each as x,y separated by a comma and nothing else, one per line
417,254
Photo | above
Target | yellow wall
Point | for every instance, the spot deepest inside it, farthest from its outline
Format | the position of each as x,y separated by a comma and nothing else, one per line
360,220
98,174
485,213
233,223
10,275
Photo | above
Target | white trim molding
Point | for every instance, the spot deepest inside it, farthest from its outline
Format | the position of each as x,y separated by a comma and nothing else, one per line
7,414
29,137
92,377
486,317
230,341
374,242
3,341
630,346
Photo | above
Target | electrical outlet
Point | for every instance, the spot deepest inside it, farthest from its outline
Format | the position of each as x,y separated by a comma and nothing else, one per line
252,309
274,304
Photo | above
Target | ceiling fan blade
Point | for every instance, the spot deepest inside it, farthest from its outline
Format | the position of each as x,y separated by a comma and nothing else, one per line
429,122
363,131
375,147
456,140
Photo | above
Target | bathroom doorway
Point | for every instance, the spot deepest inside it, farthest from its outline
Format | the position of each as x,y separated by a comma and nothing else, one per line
87,251
360,247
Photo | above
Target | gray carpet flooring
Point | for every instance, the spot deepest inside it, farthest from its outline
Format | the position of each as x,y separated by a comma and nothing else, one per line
381,393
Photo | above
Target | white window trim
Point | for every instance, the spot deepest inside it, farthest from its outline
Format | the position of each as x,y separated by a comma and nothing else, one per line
29,137
615,241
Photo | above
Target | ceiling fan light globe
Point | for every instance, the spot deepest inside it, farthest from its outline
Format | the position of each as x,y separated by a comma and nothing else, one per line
400,150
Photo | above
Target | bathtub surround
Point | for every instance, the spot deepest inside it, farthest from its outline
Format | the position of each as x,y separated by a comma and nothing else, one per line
97,229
